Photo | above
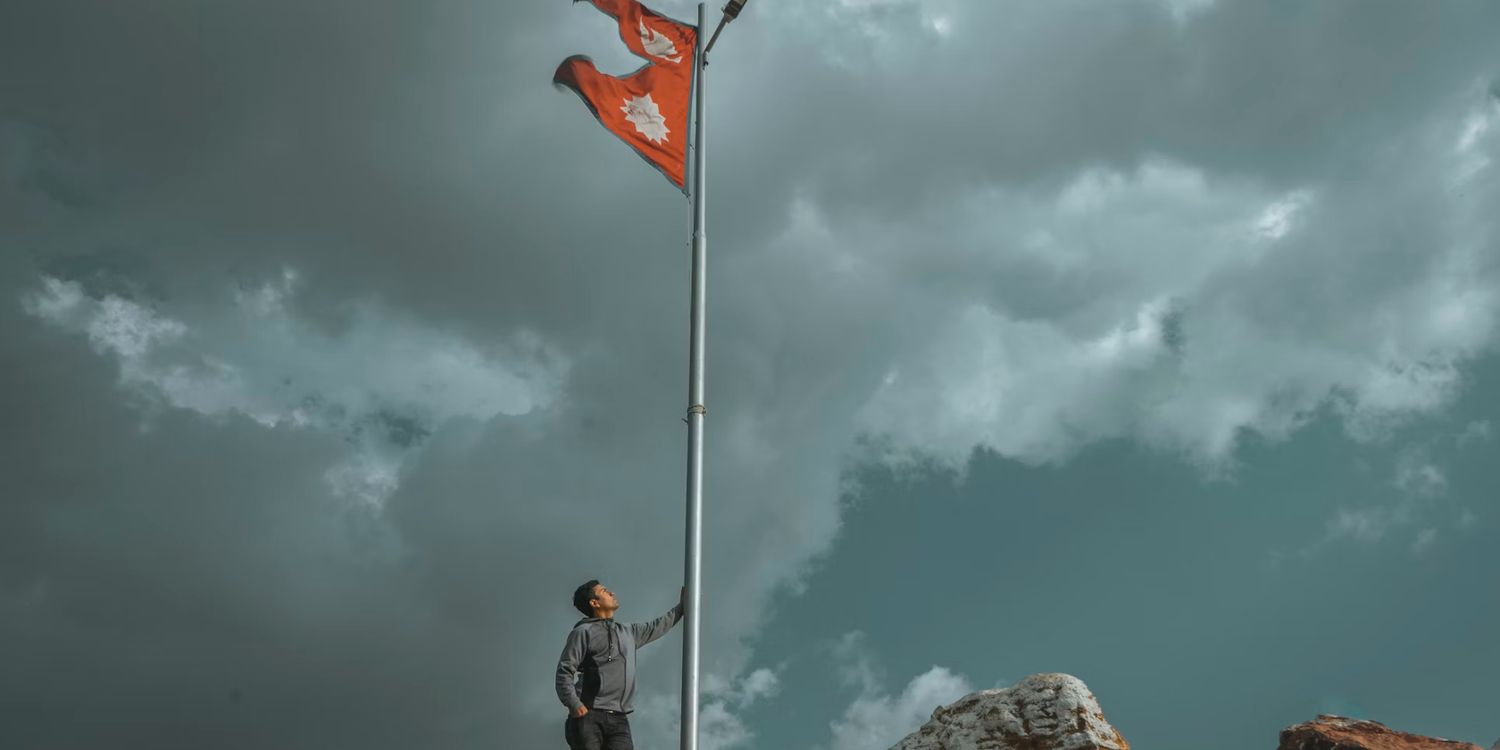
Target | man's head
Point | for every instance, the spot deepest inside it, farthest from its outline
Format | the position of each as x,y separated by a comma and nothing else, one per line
594,600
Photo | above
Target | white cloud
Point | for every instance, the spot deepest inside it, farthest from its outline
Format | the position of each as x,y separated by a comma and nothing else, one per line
1473,149
875,719
1422,485
1184,10
57,301
1277,219
1477,431
1467,519
113,325
1009,385
720,722
385,382
1424,540
756,686
1171,305
1369,524
366,476
1418,476
859,33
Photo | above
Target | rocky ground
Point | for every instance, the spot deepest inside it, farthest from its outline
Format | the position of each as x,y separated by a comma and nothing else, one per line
1042,712
1341,733
1057,712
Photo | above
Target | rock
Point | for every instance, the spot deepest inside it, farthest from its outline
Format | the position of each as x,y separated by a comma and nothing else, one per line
1042,712
1330,732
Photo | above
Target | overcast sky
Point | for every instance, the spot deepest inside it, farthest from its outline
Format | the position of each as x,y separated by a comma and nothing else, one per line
1153,342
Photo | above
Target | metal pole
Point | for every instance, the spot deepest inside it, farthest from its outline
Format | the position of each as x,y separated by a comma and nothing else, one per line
696,412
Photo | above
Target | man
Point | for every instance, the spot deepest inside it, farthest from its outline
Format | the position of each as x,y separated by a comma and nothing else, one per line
603,653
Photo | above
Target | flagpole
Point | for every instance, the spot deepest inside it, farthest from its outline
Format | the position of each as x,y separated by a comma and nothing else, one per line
696,413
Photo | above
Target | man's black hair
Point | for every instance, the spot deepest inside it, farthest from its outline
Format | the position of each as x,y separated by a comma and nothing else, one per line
582,595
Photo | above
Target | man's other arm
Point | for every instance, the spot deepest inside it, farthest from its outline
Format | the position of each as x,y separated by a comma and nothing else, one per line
567,670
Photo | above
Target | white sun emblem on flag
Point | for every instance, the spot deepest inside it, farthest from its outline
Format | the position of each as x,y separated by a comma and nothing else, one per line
648,121
656,43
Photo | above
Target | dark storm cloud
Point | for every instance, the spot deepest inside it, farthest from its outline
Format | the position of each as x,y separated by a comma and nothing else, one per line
1027,92
265,260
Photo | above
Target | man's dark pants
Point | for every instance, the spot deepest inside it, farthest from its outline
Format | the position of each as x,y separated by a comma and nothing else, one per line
599,730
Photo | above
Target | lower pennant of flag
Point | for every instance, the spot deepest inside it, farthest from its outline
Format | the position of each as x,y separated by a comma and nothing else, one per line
647,109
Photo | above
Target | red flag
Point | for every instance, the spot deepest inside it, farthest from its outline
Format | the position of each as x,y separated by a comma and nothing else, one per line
648,109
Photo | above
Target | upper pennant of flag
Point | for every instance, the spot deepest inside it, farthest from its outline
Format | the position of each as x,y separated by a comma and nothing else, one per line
657,43
655,99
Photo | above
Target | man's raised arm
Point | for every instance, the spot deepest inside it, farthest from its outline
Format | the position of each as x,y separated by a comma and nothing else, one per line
646,632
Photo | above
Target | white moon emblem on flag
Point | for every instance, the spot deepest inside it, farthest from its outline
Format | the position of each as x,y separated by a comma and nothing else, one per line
657,43
648,120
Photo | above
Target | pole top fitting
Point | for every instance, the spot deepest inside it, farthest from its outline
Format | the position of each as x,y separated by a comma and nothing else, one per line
731,11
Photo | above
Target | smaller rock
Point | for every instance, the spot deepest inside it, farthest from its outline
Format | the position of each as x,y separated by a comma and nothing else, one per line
1330,732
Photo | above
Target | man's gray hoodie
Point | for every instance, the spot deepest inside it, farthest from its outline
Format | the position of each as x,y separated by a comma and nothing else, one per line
603,651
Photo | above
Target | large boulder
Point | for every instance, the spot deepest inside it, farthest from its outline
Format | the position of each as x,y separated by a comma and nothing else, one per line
1329,732
1042,712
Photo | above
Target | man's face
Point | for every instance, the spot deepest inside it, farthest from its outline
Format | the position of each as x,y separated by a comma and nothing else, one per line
604,599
